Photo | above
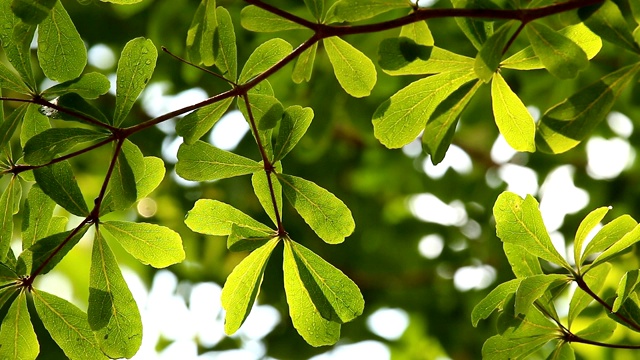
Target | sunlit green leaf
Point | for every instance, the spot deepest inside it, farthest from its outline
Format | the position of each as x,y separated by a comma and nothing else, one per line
627,284
153,174
135,67
266,110
201,33
609,234
293,126
36,217
616,249
61,51
500,347
32,11
399,120
418,32
354,70
201,162
247,239
488,59
327,215
589,222
57,181
257,19
523,263
303,66
16,39
404,56
356,10
533,287
193,126
512,117
68,326
225,51
112,313
213,217
7,276
306,318
494,300
264,57
46,253
561,56
7,200
595,280
599,330
89,86
519,221
609,23
263,192
17,338
152,244
243,285
563,351
45,146
628,314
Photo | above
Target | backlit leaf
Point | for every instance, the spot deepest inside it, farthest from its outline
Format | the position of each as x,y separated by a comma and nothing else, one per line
404,56
11,81
316,8
354,70
628,314
533,287
263,193
266,110
523,263
248,239
303,66
152,244
257,19
33,122
10,123
193,126
608,235
129,168
17,336
201,34
37,216
46,253
494,300
46,145
202,162
512,117
293,126
563,351
561,56
243,285
589,222
57,181
595,280
599,330
327,215
153,175
7,276
225,51
32,11
627,285
418,32
488,59
213,217
7,200
89,86
264,56
501,347
616,249
356,10
477,31
16,39
609,23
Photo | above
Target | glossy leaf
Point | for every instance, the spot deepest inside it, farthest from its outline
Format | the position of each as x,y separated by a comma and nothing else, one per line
46,145
609,23
353,69
112,313
263,193
200,36
226,52
57,181
327,215
193,126
11,81
512,117
303,66
17,336
7,200
356,10
89,86
37,216
213,217
404,56
494,300
627,285
595,280
439,131
152,244
32,11
616,249
518,221
135,67
488,59
599,330
10,123
68,326
243,285
257,19
609,234
46,253
399,120
293,126
561,56
533,287
16,39
306,318
589,222
202,162
264,57
61,51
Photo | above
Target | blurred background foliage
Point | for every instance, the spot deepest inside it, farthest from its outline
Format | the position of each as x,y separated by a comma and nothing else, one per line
394,256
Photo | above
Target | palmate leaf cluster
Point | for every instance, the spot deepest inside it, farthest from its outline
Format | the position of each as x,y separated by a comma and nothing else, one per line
59,123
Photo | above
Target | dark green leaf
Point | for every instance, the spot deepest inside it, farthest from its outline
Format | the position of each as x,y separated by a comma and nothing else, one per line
354,70
405,56
48,252
57,181
46,145
303,66
477,31
257,19
7,276
89,86
488,59
202,162
213,217
33,123
247,239
595,280
627,285
264,57
635,10
609,23
7,200
608,235
266,110
16,39
193,126
294,125
494,300
316,7
563,351
10,123
128,170
533,287
36,216
512,117
561,56
17,338
122,2
61,51
74,102
589,222
628,312
11,81
242,286
263,192
32,11
356,10
599,330
201,33
225,51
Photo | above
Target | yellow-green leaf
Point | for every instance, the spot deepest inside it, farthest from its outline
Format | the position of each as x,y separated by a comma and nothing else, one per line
354,70
513,120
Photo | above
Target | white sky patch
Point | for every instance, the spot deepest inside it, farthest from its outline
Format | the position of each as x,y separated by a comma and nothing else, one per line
560,197
260,322
474,277
170,146
425,3
471,229
205,304
112,81
101,56
413,149
370,350
620,124
456,158
590,236
388,323
430,246
229,130
57,283
558,241
501,151
520,180
534,111
429,208
608,158
156,103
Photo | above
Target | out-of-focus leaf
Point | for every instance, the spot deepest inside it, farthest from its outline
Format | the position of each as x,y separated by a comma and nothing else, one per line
316,8
202,162
353,69
627,285
89,86
561,56
32,11
589,222
46,145
257,19
48,252
18,339
122,2
264,57
36,216
200,35
225,51
494,300
563,351
356,10
512,117
477,31
595,280
609,23
57,181
488,58
213,217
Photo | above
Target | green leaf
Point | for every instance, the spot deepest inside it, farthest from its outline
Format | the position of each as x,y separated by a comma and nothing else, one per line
10,123
477,31
533,287
563,351
135,67
122,2
523,263
439,131
76,103
627,285
293,126
316,8
354,70
501,347
608,235
405,56
494,300
306,318
257,19
152,244
68,326
48,252
89,86
32,11
609,23
512,117
247,239
11,81
202,162
418,32
264,57
526,59
327,215
7,200
399,120
243,285
61,51
57,181
17,336
16,39
8,295
488,58
303,66
193,126
635,10
153,175
616,249
33,122
519,222
225,51
599,330
112,313
595,281
589,222
628,312
46,145
36,217
356,10
266,110
263,193
561,56
7,276
128,170
213,217
201,34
